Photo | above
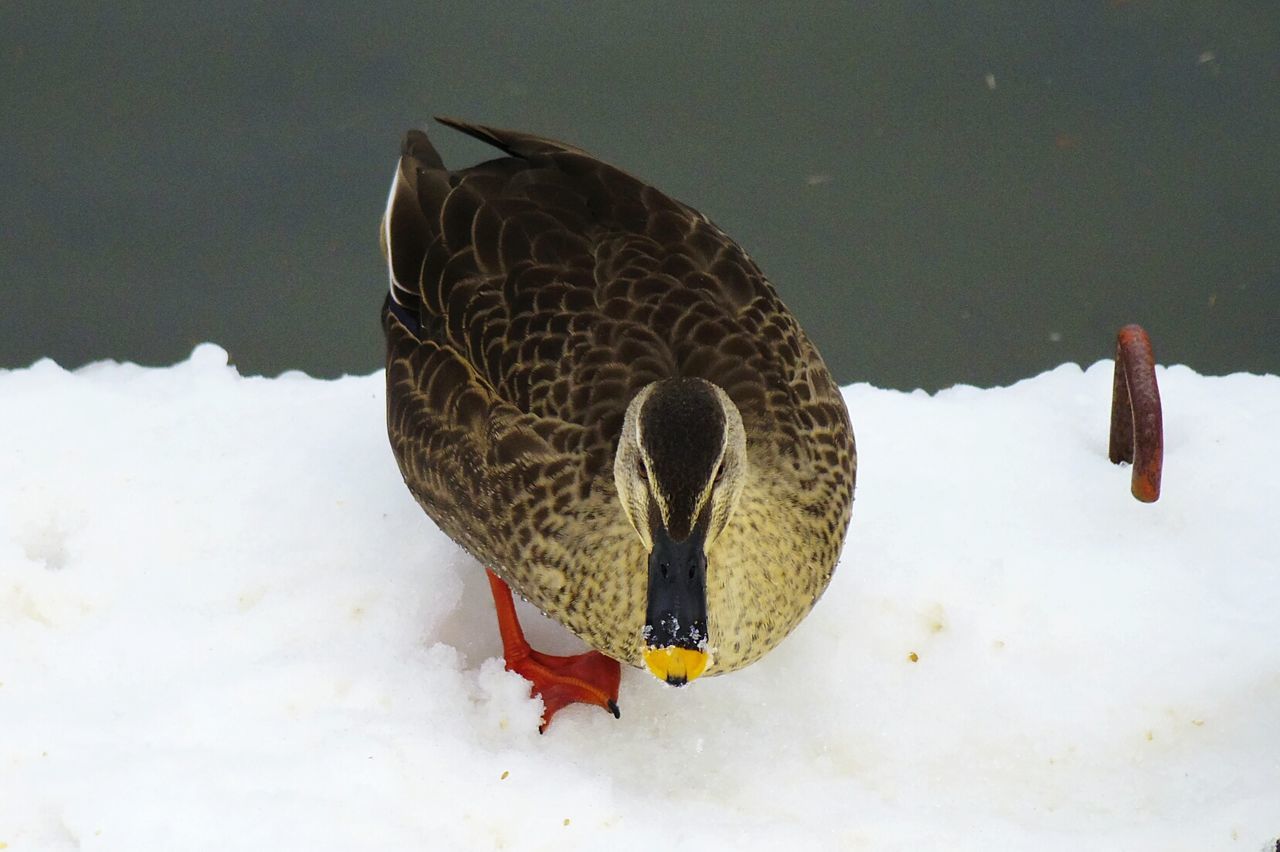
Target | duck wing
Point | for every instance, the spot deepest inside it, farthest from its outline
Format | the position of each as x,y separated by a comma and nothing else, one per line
568,284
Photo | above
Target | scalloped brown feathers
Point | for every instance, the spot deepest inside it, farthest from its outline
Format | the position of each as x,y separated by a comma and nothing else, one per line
548,288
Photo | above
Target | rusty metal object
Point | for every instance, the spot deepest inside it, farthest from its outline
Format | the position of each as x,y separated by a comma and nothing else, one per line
1137,428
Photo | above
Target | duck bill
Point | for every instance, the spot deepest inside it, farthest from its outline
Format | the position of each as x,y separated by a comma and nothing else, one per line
675,632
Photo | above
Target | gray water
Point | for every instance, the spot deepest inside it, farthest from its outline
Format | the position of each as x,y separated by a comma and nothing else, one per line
943,192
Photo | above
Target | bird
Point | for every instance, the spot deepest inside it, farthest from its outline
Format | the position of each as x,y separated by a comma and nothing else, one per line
597,393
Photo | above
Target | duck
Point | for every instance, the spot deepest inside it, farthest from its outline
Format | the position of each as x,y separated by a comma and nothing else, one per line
596,392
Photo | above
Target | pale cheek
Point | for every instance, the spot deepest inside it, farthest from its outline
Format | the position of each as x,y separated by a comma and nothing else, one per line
637,509
722,516
719,520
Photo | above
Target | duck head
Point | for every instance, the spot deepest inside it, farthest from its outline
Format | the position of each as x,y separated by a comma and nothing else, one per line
679,471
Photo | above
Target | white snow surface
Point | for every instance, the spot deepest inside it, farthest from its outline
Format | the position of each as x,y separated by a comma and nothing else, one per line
225,624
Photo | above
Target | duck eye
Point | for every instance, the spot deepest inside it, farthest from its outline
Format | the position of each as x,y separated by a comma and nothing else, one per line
641,470
719,475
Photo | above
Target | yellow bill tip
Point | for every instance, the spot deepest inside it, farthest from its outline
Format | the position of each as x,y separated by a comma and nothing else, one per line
676,666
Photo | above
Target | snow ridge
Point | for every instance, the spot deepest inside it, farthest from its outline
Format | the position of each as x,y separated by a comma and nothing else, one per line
224,624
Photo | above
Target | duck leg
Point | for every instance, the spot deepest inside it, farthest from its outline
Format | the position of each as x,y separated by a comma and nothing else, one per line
590,678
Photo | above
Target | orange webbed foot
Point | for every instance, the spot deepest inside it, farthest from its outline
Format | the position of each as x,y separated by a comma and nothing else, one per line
590,678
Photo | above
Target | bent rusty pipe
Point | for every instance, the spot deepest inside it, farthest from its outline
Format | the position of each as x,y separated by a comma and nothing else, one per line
1137,428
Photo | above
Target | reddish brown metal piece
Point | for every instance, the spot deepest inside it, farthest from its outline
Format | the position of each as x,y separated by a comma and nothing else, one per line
1137,428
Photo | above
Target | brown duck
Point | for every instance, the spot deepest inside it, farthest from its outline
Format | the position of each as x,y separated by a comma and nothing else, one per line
596,392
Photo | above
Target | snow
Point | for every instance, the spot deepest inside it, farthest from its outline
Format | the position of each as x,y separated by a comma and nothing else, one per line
224,624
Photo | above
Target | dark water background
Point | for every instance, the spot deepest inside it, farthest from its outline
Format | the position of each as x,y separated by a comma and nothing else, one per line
943,191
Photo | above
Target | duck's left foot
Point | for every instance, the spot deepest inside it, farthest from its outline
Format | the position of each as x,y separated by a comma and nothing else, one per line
590,678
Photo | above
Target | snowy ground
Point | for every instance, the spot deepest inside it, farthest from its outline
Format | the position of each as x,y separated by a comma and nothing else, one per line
224,624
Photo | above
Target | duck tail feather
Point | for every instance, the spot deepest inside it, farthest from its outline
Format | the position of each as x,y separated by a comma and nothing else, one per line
417,147
514,143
